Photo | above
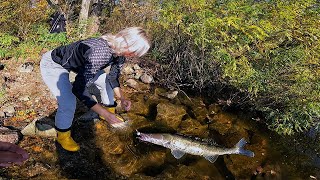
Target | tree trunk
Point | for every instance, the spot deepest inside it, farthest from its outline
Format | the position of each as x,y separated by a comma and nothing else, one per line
84,13
83,16
54,4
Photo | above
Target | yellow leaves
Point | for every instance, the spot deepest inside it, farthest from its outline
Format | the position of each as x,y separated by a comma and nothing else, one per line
23,115
37,148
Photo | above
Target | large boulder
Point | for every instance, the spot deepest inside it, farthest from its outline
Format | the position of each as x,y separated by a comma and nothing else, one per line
170,114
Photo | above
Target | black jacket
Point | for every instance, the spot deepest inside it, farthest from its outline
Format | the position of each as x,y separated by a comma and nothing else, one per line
86,58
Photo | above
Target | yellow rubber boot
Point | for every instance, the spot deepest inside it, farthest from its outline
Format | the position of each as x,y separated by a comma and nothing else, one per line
112,110
66,141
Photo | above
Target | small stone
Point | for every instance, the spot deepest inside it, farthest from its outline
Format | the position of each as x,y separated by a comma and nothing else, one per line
26,67
136,67
146,79
138,74
9,110
169,95
24,98
2,114
128,70
132,83
8,135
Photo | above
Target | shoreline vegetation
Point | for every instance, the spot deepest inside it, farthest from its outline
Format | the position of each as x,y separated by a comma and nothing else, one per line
263,54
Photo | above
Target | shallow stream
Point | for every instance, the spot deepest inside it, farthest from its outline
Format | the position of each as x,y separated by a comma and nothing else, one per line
108,154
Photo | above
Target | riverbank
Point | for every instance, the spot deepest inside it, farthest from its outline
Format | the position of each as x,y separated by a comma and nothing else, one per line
107,154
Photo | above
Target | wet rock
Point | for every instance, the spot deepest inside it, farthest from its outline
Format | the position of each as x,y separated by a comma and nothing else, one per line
138,121
140,107
128,70
138,74
158,91
270,172
214,109
200,112
193,127
40,127
147,79
127,166
108,139
2,114
221,122
170,114
136,67
8,135
132,83
142,176
26,67
183,172
8,110
169,94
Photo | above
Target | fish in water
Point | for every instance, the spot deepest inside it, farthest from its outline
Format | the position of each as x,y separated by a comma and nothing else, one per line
179,145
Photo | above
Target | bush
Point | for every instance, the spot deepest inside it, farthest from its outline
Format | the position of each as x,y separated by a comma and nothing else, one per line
268,49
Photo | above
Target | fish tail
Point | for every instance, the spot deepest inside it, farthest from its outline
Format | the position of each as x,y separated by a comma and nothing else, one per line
241,150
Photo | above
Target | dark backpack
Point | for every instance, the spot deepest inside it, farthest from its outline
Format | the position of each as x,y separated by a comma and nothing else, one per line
57,23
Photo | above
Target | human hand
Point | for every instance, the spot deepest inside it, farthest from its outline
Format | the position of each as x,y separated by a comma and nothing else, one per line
11,154
125,104
115,121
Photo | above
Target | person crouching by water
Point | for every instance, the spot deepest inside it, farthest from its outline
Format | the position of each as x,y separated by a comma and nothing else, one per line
88,58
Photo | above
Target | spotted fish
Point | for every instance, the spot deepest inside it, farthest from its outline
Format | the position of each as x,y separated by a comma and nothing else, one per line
179,145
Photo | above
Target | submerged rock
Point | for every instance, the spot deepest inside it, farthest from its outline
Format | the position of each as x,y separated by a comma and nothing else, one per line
170,114
221,122
193,127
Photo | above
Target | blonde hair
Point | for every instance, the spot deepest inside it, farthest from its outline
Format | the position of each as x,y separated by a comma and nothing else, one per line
132,39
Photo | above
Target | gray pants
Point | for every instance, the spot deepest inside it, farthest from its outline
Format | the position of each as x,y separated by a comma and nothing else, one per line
57,79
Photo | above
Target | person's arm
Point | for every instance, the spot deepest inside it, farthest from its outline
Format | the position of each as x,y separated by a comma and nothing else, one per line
126,104
108,116
113,78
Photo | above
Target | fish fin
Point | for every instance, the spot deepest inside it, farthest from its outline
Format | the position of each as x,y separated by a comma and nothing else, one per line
212,159
241,150
176,153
